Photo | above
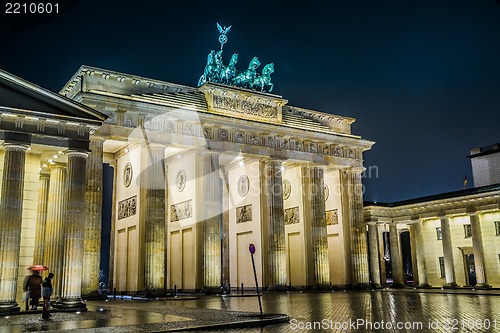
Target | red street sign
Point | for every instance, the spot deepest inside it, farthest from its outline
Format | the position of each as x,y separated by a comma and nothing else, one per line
251,248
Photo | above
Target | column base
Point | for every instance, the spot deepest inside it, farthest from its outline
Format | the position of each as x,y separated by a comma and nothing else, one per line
11,307
451,285
482,286
153,293
377,286
70,305
213,290
277,288
361,286
398,285
424,285
93,295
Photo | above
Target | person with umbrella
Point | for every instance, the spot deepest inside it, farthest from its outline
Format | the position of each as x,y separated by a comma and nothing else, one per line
34,288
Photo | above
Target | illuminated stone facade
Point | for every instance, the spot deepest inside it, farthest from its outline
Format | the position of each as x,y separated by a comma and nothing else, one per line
454,238
198,177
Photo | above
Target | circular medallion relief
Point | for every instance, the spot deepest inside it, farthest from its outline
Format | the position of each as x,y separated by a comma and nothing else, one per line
180,180
287,189
327,192
127,174
243,185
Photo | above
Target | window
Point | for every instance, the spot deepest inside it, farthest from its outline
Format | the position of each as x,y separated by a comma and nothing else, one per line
467,231
441,267
497,227
439,234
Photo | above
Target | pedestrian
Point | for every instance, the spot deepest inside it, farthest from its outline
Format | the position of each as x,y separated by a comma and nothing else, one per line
33,287
46,293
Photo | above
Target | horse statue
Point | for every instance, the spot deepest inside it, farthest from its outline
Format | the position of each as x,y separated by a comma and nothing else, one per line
230,70
260,82
209,69
246,78
219,67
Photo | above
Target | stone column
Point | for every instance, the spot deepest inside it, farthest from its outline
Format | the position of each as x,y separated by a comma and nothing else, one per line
154,215
477,247
11,209
111,280
396,260
449,265
420,254
359,249
374,254
41,221
225,232
74,229
276,255
211,196
93,219
381,254
53,249
318,228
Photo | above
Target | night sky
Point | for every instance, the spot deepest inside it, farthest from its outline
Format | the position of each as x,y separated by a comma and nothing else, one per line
422,78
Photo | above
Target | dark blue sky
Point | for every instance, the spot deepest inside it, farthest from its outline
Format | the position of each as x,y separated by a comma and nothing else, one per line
421,77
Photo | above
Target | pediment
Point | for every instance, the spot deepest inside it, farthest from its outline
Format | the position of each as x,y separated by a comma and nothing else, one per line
24,96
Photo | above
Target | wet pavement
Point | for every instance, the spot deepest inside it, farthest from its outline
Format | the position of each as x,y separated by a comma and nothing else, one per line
355,311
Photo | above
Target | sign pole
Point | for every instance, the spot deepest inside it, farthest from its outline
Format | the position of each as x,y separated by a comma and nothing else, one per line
251,248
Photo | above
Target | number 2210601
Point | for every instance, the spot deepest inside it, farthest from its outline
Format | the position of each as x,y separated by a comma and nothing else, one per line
31,8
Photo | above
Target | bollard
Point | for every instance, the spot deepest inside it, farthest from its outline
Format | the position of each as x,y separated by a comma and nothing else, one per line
242,288
114,294
175,290
229,288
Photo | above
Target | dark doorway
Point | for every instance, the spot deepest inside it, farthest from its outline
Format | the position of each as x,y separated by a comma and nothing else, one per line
470,270
406,253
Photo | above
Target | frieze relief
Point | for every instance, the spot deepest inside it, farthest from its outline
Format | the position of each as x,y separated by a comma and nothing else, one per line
332,217
239,137
223,134
292,215
181,211
246,107
127,207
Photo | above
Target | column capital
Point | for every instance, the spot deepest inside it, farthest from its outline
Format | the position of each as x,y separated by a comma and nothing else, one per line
355,170
209,152
76,153
95,137
15,146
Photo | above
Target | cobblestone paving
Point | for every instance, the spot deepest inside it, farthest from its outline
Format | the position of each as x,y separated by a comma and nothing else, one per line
376,311
379,311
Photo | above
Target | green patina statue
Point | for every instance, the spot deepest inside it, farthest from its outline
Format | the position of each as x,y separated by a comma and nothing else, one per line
215,71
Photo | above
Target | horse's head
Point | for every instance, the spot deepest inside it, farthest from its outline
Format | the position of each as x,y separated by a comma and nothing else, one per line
268,69
254,63
234,59
218,58
210,57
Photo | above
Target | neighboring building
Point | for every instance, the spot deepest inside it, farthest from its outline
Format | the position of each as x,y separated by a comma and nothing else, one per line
454,236
485,165
200,174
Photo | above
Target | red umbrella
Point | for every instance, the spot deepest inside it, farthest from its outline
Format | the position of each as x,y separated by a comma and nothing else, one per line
38,268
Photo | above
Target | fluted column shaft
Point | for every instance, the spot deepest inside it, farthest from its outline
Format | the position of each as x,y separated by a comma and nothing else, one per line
477,247
276,256
211,222
93,219
374,254
420,254
11,209
396,260
154,214
449,265
359,249
74,230
318,230
41,221
53,246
